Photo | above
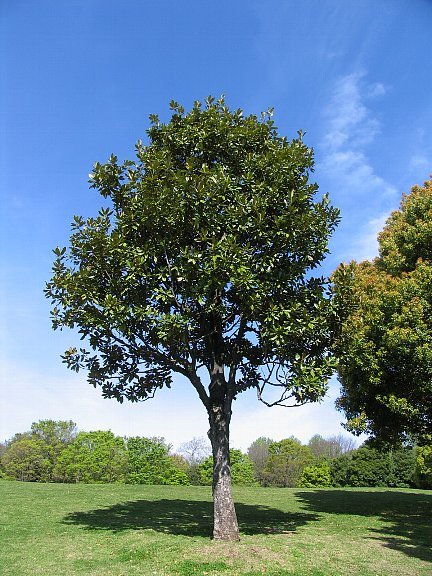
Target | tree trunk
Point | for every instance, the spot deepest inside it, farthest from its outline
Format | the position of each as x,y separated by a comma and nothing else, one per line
225,518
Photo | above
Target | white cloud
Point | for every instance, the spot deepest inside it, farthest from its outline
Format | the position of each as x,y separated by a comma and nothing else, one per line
366,247
350,128
176,414
348,119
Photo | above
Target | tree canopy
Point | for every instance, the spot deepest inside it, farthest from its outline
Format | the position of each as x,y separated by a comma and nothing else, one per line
385,346
201,264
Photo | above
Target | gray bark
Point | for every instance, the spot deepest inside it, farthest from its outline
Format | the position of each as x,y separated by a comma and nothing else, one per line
225,519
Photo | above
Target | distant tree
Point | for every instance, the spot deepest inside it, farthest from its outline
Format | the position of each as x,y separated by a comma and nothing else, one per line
195,451
339,470
149,462
368,467
201,265
385,346
45,441
26,459
286,462
423,471
3,448
316,476
258,452
373,466
332,447
241,469
179,461
55,433
93,457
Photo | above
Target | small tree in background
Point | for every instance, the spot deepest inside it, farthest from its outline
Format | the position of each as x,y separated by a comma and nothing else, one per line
26,459
149,463
258,452
33,455
286,462
423,471
317,476
332,447
201,265
195,451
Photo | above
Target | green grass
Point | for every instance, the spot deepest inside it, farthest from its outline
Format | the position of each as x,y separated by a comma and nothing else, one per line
101,530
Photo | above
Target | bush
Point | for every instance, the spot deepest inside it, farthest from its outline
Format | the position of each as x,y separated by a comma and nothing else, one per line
317,476
423,469
372,466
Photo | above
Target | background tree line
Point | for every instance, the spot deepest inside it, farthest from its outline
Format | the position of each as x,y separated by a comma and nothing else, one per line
56,452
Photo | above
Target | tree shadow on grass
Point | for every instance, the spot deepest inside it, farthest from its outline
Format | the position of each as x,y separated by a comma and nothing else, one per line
184,517
406,516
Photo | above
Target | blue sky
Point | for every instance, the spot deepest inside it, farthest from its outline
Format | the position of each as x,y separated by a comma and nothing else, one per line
78,81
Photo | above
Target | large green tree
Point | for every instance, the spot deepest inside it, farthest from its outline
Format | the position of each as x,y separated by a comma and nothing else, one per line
149,463
200,265
385,346
97,456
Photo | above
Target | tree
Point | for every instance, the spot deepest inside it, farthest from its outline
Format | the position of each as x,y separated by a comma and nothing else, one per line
286,462
55,436
201,265
316,476
195,451
26,459
54,433
149,463
423,471
385,345
374,465
93,457
332,447
43,443
242,471
258,452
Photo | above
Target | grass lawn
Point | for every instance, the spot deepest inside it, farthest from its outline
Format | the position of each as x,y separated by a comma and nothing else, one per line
101,530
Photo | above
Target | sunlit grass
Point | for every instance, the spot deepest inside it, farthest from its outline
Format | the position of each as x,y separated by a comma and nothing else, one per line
54,529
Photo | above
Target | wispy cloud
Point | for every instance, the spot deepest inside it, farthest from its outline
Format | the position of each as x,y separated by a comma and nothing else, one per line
366,247
351,128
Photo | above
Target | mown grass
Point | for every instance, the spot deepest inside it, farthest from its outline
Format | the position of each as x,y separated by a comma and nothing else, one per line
101,530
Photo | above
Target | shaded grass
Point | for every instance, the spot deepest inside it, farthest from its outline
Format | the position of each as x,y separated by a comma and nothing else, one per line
49,529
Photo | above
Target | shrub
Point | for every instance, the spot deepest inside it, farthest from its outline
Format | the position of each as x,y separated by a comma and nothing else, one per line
317,476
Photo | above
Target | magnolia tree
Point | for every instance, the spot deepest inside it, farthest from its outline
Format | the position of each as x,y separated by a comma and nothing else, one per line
200,265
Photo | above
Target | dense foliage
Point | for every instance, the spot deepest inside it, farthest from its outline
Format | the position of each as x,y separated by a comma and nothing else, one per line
369,466
385,347
286,462
149,463
201,265
316,476
100,456
97,456
214,226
